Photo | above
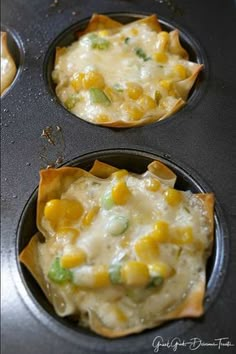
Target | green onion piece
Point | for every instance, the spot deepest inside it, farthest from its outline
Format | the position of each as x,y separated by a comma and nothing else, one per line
157,280
98,42
97,96
118,88
57,274
107,201
115,273
117,225
127,39
186,209
71,101
141,54
157,96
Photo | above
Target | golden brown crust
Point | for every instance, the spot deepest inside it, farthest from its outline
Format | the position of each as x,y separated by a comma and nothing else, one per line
9,76
97,326
30,258
102,169
151,21
59,52
175,47
184,86
164,173
147,120
208,200
4,43
99,22
192,306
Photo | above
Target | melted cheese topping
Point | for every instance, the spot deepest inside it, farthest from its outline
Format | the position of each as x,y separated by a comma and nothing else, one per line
133,71
131,247
8,67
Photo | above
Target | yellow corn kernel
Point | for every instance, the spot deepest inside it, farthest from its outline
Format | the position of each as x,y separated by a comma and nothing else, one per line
52,210
152,184
68,233
173,197
182,235
101,118
161,268
90,215
146,102
180,71
93,79
160,57
134,273
134,31
120,174
74,259
146,249
112,94
101,276
166,84
135,113
61,212
72,209
120,193
76,81
133,90
161,231
163,40
103,33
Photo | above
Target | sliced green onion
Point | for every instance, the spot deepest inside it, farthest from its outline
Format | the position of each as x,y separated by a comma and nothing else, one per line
157,280
186,209
115,273
59,274
127,39
98,42
117,225
71,101
118,88
107,201
97,96
141,54
157,96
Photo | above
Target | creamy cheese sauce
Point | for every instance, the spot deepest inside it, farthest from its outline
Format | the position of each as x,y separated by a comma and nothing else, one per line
117,306
129,58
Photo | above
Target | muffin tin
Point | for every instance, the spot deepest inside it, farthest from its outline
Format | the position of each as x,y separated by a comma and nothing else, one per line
196,142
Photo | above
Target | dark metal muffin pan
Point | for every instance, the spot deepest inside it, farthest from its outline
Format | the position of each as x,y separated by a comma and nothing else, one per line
198,142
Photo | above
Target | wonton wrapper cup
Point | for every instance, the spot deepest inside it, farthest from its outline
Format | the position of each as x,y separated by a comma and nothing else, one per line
53,182
10,74
182,87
